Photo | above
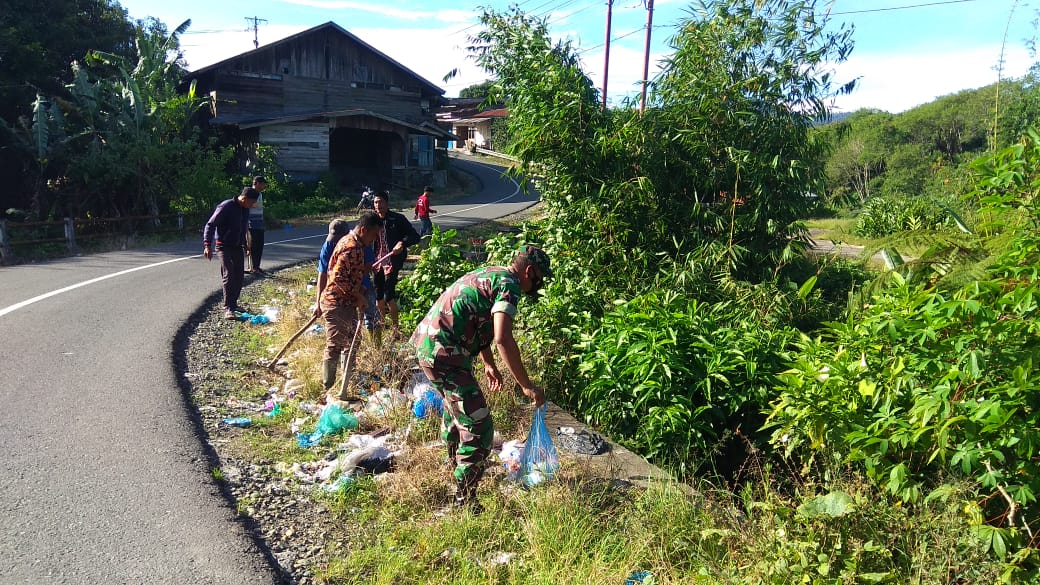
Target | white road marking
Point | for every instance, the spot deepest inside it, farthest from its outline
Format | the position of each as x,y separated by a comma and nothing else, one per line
48,295
71,287
506,198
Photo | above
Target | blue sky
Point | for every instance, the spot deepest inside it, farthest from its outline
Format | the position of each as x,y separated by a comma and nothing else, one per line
907,51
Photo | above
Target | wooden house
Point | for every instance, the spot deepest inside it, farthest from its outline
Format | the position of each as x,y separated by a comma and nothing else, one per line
327,101
470,122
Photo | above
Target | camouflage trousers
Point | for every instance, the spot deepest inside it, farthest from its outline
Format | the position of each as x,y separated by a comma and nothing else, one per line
466,427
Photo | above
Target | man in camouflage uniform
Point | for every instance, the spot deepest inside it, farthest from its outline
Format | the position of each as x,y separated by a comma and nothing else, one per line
472,314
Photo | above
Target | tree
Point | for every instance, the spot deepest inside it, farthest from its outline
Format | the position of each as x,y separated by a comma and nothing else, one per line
677,219
737,100
478,91
38,40
131,147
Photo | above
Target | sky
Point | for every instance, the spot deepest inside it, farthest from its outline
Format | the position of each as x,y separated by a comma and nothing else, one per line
907,52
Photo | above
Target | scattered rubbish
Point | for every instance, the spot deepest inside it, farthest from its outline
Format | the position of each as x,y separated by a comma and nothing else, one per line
297,424
539,461
333,420
253,319
360,452
501,558
244,404
270,312
275,410
637,577
510,456
583,442
238,421
383,401
310,408
293,386
427,401
338,485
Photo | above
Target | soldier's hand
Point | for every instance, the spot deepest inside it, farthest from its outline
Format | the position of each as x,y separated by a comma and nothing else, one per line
535,393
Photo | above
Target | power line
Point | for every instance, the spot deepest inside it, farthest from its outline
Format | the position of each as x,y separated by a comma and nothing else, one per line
865,10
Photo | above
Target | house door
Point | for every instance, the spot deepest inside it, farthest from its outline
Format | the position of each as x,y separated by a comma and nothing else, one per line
422,151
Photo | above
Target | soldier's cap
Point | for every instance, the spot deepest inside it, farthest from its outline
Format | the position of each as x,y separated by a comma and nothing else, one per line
536,256
337,229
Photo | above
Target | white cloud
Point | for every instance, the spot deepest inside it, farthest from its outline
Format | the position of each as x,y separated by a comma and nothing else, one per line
898,82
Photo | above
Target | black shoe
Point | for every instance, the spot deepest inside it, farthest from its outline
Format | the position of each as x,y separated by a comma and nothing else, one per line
466,496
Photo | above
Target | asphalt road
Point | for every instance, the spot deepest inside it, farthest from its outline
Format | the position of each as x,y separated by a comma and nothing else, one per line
104,478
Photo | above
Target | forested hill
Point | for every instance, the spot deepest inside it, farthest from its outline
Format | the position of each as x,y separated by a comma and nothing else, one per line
921,151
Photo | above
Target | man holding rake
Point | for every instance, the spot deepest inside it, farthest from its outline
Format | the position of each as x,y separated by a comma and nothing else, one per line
343,299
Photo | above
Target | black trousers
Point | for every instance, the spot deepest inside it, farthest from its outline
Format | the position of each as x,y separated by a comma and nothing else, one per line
256,248
232,272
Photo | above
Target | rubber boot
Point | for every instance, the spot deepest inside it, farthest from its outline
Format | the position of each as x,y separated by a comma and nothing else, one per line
329,369
466,494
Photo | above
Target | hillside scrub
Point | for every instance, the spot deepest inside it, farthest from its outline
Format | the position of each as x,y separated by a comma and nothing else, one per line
924,381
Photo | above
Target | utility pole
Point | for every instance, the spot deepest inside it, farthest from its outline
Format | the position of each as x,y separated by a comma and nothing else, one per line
646,54
256,29
606,53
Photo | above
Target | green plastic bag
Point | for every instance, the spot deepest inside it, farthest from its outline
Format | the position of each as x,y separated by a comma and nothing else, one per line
334,419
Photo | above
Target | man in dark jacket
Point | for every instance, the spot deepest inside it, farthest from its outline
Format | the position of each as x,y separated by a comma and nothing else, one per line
226,231
396,236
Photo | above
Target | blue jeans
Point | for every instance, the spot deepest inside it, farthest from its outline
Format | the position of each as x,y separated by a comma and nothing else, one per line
425,226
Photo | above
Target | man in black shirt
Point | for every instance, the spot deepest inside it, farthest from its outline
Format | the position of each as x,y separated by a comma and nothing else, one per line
226,232
397,234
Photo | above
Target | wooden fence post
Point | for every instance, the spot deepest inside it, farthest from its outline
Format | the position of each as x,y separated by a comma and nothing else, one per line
70,235
5,244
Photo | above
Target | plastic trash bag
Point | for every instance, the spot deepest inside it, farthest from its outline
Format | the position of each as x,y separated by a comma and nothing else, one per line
427,401
333,420
539,461
510,456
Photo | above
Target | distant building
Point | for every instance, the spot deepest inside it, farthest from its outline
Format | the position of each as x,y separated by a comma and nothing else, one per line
327,101
470,122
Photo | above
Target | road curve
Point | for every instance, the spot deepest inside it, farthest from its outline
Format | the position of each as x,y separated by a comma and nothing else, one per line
105,478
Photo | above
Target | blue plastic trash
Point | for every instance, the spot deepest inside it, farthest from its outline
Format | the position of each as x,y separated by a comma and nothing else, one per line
253,319
429,403
638,577
238,421
539,462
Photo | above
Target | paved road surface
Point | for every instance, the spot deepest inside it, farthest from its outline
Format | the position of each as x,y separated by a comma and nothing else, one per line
104,478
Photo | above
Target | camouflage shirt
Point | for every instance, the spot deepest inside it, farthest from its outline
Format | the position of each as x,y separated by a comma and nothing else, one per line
461,322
